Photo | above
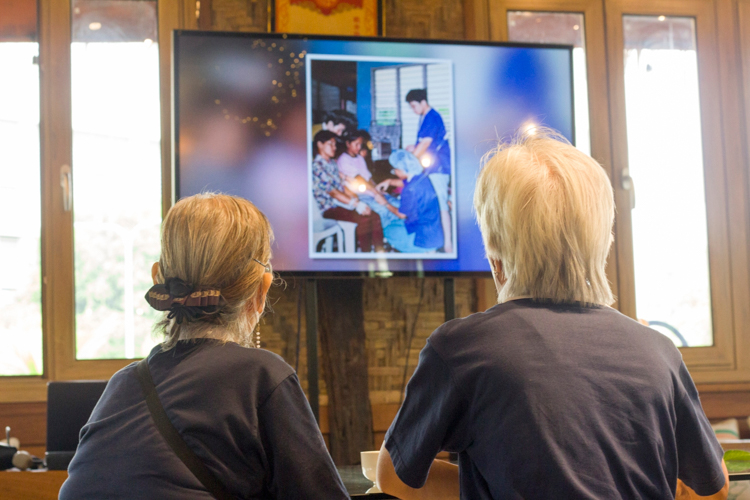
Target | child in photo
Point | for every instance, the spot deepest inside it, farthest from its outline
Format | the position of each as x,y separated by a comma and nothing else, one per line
358,178
419,202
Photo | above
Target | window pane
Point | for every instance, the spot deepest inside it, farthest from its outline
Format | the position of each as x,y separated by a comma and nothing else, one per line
670,239
563,28
117,174
20,208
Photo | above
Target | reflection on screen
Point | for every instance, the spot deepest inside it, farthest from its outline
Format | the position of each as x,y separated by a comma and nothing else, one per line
363,154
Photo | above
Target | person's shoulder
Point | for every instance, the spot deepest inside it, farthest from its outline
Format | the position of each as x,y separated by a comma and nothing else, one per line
123,375
642,335
435,115
260,358
225,360
451,334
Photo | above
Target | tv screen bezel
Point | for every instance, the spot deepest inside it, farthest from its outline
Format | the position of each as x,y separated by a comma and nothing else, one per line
175,171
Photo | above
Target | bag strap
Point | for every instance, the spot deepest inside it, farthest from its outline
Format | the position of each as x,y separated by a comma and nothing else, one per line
172,436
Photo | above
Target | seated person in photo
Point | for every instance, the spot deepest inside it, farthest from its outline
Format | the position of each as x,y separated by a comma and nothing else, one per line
551,393
418,203
434,152
336,201
239,408
356,177
337,121
366,150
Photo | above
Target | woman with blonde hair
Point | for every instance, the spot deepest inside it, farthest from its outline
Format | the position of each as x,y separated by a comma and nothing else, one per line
207,414
551,393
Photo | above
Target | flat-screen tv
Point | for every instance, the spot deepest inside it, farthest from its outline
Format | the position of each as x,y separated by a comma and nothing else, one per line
362,152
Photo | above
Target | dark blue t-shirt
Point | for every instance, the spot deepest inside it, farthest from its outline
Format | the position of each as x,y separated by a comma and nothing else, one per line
549,401
420,204
432,126
240,410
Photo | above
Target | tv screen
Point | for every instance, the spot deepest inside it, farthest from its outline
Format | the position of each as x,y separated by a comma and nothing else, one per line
363,153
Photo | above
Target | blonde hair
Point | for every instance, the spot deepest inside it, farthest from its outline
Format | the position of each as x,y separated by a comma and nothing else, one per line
546,211
211,240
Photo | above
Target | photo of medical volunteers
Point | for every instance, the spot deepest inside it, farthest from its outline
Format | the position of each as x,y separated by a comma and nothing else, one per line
381,168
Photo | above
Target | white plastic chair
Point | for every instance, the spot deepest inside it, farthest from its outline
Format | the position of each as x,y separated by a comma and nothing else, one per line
325,230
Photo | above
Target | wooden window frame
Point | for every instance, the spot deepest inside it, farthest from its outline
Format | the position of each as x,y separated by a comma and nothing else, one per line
719,362
725,131
56,136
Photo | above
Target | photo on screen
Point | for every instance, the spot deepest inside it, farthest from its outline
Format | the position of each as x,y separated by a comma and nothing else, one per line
381,160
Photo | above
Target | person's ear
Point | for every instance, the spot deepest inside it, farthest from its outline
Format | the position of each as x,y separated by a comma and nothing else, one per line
155,272
497,271
260,299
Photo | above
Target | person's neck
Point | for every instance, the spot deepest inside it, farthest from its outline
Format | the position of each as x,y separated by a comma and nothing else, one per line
352,155
325,157
426,110
518,297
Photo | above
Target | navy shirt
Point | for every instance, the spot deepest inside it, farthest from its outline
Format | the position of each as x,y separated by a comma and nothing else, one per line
431,125
420,204
549,401
240,410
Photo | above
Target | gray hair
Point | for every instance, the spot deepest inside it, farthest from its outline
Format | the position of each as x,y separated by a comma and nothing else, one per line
546,211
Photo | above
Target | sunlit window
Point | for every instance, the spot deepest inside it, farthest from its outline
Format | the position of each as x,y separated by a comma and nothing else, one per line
117,174
670,239
20,206
566,29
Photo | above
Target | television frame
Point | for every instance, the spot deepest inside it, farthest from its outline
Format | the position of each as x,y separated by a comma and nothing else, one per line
175,163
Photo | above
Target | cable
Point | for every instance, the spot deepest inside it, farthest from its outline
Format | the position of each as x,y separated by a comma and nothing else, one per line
299,326
408,344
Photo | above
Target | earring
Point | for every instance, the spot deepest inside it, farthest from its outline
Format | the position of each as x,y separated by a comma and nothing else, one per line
256,333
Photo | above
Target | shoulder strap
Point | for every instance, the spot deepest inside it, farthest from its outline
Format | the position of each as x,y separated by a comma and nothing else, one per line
173,438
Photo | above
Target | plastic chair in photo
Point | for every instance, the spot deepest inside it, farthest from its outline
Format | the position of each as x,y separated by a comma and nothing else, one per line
350,238
325,230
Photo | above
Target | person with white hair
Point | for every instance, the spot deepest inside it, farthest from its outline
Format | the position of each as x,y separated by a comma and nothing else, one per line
208,414
551,393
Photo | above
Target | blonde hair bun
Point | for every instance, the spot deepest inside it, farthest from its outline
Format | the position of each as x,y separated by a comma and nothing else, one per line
210,241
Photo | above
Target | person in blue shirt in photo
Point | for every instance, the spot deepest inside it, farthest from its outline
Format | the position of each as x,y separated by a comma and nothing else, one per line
419,202
433,151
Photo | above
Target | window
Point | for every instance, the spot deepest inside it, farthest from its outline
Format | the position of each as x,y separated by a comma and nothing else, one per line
20,191
665,163
117,174
81,171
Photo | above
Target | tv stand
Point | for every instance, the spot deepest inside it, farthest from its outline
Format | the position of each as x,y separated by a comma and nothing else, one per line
311,315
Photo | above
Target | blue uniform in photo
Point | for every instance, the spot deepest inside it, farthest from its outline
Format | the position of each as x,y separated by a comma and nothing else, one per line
419,203
432,126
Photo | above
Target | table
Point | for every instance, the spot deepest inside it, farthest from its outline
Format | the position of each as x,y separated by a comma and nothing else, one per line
45,485
357,484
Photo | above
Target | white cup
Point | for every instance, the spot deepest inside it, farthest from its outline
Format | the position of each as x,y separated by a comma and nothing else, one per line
370,467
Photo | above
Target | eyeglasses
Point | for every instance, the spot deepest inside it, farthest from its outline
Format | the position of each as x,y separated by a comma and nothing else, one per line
267,267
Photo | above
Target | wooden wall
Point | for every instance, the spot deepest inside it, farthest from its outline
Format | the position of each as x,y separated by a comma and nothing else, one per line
442,19
390,309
